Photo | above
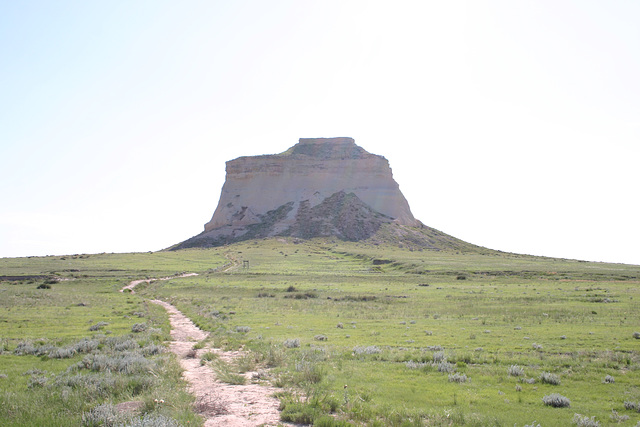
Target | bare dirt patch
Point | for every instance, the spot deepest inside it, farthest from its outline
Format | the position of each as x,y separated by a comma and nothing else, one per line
219,403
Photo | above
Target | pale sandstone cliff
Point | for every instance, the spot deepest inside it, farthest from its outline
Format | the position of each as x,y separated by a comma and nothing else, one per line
310,171
320,187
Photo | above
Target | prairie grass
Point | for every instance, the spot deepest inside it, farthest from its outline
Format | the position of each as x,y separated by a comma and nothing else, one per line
382,367
228,373
56,375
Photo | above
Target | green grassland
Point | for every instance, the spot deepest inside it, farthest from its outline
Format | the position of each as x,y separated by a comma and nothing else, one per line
355,334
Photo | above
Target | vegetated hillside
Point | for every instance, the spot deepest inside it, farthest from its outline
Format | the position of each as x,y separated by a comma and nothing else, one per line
457,336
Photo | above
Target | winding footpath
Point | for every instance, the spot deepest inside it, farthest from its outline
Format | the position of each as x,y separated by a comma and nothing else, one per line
219,403
135,283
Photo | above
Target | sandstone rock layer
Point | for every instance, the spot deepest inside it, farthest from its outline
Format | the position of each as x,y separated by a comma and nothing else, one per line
318,187
310,171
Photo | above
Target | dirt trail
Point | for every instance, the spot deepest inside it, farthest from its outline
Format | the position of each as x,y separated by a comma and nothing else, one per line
221,404
234,263
135,283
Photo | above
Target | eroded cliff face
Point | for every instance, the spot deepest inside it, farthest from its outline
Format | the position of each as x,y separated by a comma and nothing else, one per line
318,187
310,171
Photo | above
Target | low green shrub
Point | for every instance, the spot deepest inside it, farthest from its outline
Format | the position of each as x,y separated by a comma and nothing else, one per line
299,413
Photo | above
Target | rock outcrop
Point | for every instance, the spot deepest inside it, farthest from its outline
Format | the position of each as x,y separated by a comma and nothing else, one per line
319,187
310,171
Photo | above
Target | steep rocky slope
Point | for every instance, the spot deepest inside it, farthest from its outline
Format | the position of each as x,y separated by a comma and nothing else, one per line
320,187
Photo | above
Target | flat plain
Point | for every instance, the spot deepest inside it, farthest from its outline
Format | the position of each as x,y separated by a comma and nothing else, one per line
351,333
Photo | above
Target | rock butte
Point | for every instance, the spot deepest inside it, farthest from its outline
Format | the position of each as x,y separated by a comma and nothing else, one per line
319,187
312,170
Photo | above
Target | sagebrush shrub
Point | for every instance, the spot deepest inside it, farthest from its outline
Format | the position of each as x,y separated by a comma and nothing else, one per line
549,378
152,350
632,406
414,365
458,378
446,367
439,356
37,381
515,371
125,345
97,384
617,418
102,415
62,353
372,349
124,363
585,421
98,326
556,400
153,420
28,348
291,343
139,327
86,345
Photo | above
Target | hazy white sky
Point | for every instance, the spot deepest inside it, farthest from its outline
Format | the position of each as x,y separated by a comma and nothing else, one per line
511,125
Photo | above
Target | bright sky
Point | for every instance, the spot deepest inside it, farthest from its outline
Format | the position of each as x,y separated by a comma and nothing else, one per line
511,125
